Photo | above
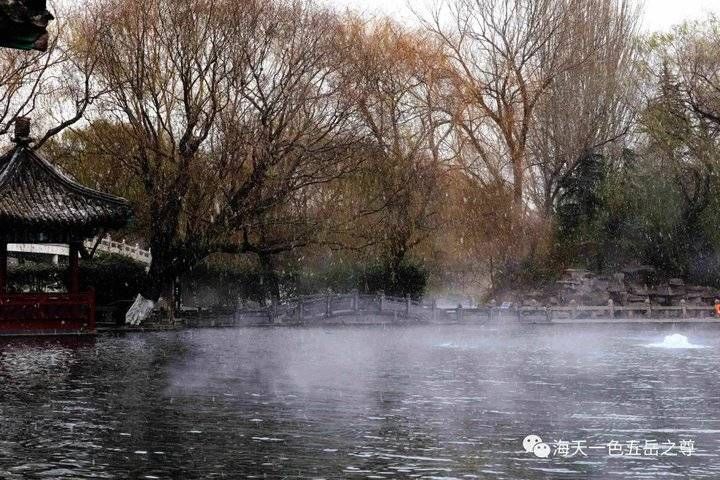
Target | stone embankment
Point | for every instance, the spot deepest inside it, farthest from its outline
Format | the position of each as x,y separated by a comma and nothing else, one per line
634,286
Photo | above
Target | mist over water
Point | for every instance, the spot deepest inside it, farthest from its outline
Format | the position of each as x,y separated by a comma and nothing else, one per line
410,402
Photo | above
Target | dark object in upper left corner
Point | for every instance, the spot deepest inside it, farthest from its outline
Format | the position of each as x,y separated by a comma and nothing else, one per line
23,24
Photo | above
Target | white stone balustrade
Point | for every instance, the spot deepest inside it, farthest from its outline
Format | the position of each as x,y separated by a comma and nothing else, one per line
106,245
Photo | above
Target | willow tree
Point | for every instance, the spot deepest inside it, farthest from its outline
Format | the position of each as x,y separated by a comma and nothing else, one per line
166,69
229,110
391,74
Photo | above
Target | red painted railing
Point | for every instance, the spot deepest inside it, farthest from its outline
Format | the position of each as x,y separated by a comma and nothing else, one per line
31,313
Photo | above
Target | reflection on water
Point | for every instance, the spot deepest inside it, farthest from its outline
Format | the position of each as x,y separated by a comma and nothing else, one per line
414,402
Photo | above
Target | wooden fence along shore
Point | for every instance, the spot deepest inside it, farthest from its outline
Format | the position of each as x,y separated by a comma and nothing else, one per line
381,309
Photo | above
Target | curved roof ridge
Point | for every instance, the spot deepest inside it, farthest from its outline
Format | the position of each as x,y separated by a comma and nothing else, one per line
60,175
35,194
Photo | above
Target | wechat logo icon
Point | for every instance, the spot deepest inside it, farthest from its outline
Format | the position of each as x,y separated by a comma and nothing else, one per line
534,444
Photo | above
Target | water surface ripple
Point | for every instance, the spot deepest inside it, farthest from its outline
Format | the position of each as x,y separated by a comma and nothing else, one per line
410,402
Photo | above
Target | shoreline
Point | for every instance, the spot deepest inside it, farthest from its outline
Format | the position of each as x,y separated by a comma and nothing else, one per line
229,323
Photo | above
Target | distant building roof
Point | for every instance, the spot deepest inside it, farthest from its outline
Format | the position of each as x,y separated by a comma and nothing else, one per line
40,203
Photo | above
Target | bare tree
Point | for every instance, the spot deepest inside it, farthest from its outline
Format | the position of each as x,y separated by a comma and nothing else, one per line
589,108
288,132
390,74
230,108
166,68
506,54
54,86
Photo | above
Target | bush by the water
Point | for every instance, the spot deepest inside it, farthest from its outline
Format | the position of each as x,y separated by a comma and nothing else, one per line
113,277
224,281
406,279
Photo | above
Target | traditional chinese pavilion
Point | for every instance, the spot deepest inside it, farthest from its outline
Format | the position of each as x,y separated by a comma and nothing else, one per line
23,24
41,204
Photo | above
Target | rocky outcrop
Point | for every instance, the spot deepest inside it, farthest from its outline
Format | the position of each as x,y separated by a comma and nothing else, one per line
634,285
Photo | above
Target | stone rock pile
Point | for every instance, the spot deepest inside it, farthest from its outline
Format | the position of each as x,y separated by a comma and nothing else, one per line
632,286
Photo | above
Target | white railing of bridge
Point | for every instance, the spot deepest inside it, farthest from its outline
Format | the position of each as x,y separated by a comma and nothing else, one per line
39,248
106,245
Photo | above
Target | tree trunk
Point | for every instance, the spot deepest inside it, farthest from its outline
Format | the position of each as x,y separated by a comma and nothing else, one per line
518,173
160,284
163,237
269,276
158,280
394,263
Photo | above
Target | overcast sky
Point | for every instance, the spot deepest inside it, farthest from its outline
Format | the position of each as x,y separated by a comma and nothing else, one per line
658,14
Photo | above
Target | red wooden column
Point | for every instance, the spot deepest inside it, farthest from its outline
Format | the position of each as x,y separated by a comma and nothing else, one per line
3,267
74,282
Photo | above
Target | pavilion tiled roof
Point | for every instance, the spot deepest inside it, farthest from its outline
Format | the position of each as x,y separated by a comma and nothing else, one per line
23,24
35,196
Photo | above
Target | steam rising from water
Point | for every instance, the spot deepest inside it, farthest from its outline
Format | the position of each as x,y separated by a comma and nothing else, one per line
413,401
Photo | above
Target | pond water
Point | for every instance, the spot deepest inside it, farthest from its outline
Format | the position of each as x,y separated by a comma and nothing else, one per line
406,402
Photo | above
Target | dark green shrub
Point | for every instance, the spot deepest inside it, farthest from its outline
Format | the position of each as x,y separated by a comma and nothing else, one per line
114,278
35,277
406,279
224,280
227,279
